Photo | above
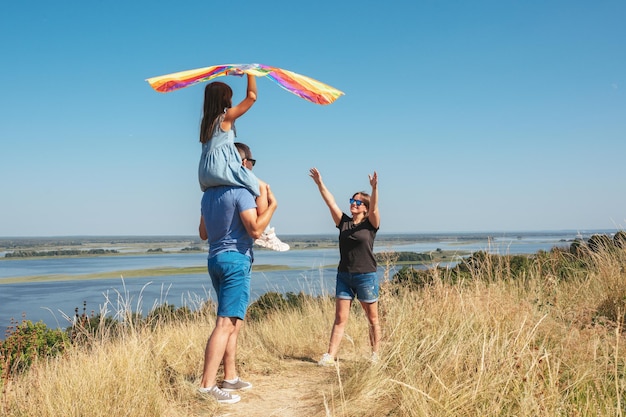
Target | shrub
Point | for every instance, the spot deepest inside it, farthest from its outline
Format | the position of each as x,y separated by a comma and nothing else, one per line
412,278
167,313
577,247
86,328
489,267
619,240
27,341
612,308
597,243
271,302
381,257
564,264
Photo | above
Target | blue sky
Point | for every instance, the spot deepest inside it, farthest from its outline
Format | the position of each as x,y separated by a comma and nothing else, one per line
477,116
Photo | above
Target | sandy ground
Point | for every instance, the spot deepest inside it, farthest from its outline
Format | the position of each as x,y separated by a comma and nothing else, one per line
300,389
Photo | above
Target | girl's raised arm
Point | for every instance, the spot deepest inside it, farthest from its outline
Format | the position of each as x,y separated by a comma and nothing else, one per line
236,111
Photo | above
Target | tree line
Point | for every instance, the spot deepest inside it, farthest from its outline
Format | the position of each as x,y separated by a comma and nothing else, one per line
60,252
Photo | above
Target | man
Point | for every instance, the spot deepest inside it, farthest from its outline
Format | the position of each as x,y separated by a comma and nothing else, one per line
233,225
246,155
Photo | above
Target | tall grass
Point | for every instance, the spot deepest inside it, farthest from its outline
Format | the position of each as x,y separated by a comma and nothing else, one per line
548,341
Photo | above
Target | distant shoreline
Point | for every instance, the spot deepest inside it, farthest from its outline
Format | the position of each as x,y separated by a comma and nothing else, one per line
314,236
295,240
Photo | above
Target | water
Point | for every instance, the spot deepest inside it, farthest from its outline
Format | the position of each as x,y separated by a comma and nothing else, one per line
17,267
53,302
314,273
512,245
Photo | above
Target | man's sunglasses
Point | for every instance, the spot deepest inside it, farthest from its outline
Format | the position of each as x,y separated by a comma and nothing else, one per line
252,161
357,202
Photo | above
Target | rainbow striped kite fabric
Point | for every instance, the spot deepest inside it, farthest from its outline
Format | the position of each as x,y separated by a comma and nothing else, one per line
300,85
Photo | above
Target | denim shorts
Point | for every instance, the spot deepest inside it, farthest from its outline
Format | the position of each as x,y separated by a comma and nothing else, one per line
230,274
363,286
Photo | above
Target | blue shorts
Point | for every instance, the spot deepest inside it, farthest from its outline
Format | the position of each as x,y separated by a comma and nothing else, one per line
363,286
230,274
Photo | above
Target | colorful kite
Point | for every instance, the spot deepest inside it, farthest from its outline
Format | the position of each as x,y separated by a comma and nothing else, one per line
300,85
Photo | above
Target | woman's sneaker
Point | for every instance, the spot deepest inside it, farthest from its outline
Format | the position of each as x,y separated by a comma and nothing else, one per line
220,396
238,385
269,240
326,360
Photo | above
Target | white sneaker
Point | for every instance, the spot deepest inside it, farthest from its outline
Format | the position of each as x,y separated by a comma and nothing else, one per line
269,240
220,396
326,360
238,385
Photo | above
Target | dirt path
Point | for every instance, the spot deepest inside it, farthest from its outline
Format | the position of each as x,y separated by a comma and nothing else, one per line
297,390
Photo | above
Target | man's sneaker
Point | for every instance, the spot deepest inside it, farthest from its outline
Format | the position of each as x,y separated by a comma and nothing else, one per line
374,358
269,240
239,385
220,396
326,360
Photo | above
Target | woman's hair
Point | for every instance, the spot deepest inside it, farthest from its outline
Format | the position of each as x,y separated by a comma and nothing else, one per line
365,198
217,98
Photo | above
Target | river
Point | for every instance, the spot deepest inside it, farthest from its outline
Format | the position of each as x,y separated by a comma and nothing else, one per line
313,272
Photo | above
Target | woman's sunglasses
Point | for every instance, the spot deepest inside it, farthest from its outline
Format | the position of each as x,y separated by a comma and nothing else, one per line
357,202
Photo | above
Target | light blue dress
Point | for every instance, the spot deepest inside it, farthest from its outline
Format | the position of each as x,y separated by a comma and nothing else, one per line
220,163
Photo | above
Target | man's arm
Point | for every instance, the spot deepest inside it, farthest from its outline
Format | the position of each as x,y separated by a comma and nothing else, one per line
256,224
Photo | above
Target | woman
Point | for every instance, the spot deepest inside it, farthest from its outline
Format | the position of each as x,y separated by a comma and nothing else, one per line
356,273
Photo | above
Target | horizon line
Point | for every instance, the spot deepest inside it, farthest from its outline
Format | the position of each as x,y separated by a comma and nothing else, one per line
386,233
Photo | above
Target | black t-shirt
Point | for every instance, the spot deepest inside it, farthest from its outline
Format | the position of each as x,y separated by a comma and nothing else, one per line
356,246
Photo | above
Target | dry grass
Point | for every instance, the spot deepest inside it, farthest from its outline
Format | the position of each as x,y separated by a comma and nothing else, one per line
488,346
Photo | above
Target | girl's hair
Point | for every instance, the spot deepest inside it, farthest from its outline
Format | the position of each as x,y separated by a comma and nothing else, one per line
217,98
365,198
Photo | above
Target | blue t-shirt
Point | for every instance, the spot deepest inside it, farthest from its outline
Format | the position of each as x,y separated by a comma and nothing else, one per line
225,230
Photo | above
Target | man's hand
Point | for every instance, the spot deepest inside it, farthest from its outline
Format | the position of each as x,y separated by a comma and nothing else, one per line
271,200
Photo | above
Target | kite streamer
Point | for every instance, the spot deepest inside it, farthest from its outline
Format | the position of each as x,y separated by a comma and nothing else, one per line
300,85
